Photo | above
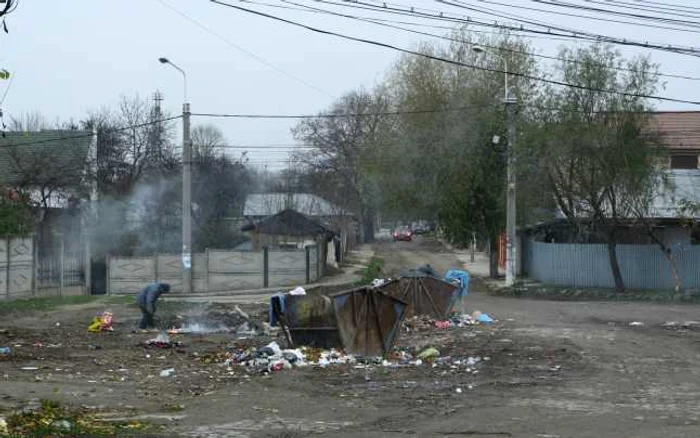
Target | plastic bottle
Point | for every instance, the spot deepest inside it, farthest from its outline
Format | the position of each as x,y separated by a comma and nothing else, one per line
5,351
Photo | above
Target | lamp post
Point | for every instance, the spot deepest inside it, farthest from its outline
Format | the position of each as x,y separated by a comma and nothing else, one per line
186,187
510,102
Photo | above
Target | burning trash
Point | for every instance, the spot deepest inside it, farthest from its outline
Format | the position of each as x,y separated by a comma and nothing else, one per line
162,341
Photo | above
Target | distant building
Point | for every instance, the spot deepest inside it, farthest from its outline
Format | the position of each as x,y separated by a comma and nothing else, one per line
342,223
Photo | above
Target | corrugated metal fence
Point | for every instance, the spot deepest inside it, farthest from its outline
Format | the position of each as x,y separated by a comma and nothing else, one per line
587,265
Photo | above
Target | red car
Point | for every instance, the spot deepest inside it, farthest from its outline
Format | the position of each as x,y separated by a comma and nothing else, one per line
404,234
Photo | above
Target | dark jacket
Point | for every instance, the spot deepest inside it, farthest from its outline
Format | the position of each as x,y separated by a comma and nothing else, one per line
149,295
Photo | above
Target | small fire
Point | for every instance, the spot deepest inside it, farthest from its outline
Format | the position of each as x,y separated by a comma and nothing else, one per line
198,329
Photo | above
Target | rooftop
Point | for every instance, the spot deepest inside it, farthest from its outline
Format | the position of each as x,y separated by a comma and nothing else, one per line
43,156
288,223
680,130
267,204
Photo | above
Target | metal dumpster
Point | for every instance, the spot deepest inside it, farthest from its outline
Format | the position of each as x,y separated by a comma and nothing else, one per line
368,320
424,294
311,321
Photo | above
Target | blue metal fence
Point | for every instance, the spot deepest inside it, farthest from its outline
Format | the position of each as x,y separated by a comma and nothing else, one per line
588,265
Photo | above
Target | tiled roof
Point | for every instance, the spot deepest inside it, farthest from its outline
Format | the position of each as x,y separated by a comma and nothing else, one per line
679,129
43,155
267,204
288,223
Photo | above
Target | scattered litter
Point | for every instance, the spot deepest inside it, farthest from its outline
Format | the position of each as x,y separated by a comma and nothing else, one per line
482,317
30,368
167,373
162,341
297,291
443,325
379,282
5,351
636,324
101,323
458,390
429,353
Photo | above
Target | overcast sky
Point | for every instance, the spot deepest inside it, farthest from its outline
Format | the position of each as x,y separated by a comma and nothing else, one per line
73,56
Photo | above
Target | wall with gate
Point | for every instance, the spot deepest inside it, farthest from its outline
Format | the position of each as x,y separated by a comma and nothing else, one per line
23,274
587,265
217,270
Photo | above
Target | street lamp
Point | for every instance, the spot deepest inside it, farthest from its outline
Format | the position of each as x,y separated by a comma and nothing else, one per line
186,188
510,102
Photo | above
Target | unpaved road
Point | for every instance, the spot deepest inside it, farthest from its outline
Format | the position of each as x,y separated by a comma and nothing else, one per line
555,369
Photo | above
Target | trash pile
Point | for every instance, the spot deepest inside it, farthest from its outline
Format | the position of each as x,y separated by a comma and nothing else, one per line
102,323
272,358
422,322
162,341
234,321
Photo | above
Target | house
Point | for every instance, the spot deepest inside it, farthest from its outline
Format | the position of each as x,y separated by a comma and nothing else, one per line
48,169
680,133
341,222
287,229
575,253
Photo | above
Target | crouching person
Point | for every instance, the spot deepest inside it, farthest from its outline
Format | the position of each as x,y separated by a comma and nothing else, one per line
147,303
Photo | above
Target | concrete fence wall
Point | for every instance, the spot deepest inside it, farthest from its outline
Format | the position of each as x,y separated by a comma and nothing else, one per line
23,274
217,270
588,265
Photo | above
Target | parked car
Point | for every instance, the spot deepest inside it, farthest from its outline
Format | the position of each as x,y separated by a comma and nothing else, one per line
403,233
420,229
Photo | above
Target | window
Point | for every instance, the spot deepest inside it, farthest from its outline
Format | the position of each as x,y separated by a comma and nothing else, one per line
684,161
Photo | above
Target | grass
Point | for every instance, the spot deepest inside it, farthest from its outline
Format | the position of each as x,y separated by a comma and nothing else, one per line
53,420
557,293
50,303
372,271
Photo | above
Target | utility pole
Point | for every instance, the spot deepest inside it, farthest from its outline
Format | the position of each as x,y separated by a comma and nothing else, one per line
186,201
511,246
186,186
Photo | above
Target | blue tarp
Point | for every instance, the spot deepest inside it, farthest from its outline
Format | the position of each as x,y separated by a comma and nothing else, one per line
460,276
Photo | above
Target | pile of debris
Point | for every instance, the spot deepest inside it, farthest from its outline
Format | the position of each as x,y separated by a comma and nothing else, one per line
422,322
272,358
230,321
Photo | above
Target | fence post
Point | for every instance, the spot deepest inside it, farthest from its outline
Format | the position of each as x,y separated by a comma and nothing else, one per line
107,275
88,266
7,267
155,268
35,264
206,271
266,267
307,253
321,261
61,265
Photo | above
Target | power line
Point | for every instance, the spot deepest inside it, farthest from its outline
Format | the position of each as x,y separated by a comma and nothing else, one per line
457,40
619,13
241,49
548,27
334,115
451,61
108,130
460,4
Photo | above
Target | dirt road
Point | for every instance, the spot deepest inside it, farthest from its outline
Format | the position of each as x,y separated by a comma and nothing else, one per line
547,369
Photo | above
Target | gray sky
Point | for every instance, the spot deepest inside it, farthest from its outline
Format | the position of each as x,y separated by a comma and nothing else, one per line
73,56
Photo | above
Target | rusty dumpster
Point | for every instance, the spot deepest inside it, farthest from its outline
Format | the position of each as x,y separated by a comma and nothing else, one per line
424,294
368,320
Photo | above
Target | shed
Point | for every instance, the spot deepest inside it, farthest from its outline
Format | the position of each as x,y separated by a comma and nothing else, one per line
286,229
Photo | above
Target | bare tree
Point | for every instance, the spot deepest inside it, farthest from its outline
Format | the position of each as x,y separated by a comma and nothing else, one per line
207,141
343,139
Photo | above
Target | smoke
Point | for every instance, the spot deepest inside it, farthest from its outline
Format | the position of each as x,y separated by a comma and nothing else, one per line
145,222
